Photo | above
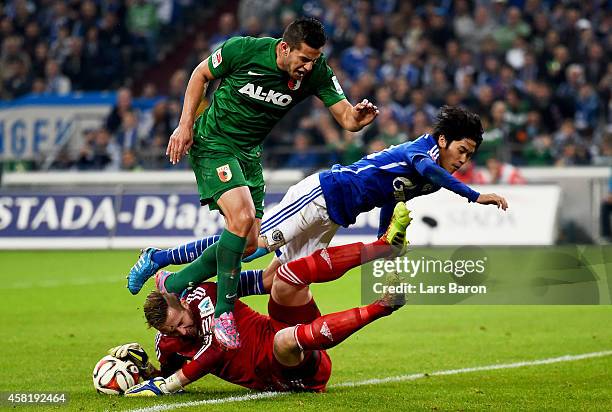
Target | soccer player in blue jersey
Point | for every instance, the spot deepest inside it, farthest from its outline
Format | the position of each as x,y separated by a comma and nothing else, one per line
311,212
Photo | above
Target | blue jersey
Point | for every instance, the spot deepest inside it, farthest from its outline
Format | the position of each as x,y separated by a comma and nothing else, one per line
384,178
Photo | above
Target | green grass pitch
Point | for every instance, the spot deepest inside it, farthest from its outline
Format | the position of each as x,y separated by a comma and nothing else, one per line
62,310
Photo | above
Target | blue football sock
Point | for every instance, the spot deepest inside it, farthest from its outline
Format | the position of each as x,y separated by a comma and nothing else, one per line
186,253
251,283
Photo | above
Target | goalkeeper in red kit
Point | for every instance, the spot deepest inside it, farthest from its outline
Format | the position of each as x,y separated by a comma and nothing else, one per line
284,351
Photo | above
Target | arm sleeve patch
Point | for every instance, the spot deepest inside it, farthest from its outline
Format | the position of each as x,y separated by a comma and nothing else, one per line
329,90
226,58
216,58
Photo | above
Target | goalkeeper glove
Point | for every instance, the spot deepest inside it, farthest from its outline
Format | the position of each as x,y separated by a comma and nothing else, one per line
156,387
135,353
152,387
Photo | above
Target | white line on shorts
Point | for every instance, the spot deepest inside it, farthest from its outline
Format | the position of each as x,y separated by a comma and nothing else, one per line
379,381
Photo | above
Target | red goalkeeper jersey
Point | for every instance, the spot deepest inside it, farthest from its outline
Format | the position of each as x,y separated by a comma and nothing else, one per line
253,365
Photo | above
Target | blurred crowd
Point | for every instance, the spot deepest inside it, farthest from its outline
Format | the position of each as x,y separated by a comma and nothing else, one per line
57,46
537,72
128,139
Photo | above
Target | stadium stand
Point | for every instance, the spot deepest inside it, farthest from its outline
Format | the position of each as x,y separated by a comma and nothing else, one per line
537,72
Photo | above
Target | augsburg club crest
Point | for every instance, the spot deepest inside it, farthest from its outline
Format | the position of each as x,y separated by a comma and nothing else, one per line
225,173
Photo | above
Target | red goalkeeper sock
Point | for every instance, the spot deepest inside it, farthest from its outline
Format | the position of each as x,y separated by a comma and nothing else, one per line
329,264
329,330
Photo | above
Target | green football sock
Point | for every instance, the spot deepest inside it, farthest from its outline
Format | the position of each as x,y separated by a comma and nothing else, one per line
229,254
201,269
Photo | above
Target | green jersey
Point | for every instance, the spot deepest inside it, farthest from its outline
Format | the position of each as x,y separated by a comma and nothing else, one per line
253,96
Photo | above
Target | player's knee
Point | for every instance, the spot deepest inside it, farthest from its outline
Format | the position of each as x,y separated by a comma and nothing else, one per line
241,221
281,341
281,288
246,217
286,348
286,294
268,275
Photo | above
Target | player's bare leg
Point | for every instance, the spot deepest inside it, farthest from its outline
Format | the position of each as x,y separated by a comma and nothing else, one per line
269,273
252,238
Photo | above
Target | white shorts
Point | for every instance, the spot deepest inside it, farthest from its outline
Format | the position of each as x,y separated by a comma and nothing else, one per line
299,224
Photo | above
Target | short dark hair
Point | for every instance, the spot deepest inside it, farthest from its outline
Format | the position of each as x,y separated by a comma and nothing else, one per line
457,123
156,308
305,30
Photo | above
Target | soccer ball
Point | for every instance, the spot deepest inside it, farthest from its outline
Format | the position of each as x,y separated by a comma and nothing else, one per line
113,376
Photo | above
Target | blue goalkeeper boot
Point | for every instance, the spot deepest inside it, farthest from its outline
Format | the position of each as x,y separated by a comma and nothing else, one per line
142,270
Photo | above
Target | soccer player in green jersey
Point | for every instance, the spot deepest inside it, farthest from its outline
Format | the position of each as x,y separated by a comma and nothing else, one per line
261,80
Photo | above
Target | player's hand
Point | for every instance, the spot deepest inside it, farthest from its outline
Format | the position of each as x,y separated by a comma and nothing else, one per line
365,112
179,144
132,352
493,199
152,387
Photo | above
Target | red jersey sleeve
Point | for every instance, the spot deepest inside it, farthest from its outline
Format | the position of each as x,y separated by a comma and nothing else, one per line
208,356
172,353
207,360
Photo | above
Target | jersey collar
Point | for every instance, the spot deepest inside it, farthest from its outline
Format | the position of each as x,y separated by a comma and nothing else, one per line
273,55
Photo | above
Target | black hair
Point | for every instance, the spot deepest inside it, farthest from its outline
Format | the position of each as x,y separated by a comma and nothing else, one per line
457,123
305,30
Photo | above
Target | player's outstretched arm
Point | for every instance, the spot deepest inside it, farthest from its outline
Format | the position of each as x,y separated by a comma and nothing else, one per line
182,137
438,175
354,118
189,372
492,199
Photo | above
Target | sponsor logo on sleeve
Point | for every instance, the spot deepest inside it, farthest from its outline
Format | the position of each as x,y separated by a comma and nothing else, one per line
217,58
206,307
337,85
